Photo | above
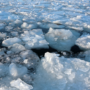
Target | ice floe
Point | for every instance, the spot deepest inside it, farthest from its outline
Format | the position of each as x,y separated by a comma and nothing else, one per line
83,42
60,39
34,39
59,73
11,41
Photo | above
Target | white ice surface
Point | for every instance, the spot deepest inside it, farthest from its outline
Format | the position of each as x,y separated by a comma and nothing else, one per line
16,48
34,39
59,73
61,39
11,41
21,85
83,42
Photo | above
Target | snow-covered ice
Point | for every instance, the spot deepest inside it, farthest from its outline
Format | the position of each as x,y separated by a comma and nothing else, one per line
83,42
60,73
21,85
26,25
11,41
34,39
60,39
16,48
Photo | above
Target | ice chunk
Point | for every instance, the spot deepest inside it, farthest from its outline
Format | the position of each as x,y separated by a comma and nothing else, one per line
21,85
18,21
83,42
60,39
16,48
34,39
17,71
11,41
30,59
32,26
59,73
24,25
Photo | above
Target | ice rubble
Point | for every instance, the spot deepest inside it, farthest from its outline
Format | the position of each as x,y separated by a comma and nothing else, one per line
3,36
2,25
59,73
14,73
16,48
83,42
19,84
60,39
34,39
11,41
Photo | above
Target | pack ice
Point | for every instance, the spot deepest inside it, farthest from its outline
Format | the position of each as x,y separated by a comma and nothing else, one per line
60,73
60,39
34,39
83,42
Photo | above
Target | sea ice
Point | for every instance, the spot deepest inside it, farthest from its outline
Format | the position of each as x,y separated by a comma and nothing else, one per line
2,35
3,70
83,42
34,39
16,48
59,73
14,34
11,41
21,85
30,59
24,25
60,39
8,28
2,26
17,71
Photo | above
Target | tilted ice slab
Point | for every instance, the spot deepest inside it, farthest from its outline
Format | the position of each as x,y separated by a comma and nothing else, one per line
83,42
60,39
59,73
34,39
11,41
21,85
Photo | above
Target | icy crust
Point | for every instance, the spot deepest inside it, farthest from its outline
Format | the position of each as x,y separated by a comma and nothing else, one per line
15,69
34,39
59,73
11,41
19,84
27,40
83,42
60,39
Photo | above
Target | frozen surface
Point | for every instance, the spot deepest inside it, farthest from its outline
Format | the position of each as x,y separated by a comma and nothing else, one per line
17,71
11,41
23,24
34,39
83,42
60,39
21,85
59,73
16,48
